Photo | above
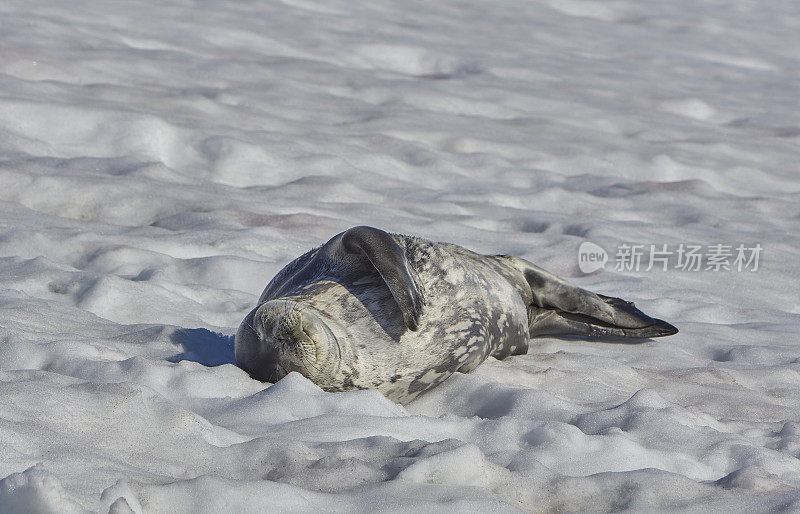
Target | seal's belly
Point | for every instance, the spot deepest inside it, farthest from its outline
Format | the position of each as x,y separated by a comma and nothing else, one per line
470,313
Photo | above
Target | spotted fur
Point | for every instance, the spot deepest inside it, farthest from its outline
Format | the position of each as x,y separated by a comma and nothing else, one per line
475,306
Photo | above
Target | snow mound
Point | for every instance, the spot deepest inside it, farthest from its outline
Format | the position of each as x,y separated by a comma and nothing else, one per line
36,491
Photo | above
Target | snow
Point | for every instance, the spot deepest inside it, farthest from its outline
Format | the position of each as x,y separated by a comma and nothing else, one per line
161,161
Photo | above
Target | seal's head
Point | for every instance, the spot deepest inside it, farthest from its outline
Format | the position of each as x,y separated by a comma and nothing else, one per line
281,336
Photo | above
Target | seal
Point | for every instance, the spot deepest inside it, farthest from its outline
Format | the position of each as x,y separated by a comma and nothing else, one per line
373,310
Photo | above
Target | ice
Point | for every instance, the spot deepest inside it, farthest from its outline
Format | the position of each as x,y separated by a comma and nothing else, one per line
160,162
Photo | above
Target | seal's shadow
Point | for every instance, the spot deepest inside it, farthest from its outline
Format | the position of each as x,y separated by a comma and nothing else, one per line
203,346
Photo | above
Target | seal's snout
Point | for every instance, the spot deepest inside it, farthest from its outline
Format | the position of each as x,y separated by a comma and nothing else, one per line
296,338
289,326
295,331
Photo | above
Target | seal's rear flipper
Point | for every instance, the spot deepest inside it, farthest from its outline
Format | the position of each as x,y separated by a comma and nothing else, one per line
544,322
560,308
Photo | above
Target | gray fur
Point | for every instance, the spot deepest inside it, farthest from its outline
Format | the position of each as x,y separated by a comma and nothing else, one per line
401,314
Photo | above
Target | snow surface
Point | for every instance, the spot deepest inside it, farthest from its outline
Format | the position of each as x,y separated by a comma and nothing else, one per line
161,161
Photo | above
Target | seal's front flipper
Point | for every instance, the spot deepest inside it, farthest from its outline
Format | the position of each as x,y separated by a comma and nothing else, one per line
389,260
560,308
